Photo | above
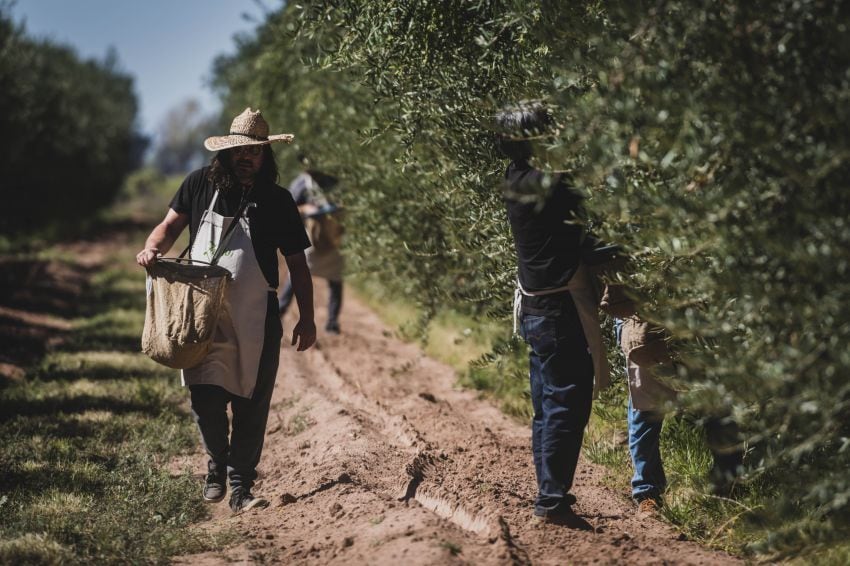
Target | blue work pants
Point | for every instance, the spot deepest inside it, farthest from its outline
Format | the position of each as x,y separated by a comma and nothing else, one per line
561,378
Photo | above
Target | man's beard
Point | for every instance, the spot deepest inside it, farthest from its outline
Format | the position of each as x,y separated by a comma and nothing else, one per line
244,171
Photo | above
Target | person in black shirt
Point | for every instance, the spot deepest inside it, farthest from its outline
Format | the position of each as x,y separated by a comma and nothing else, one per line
238,189
542,210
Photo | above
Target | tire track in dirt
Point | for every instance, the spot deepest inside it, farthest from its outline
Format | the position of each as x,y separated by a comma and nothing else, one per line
374,456
395,429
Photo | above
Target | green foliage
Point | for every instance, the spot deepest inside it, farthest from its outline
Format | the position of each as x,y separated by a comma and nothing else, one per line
68,131
144,198
503,372
710,139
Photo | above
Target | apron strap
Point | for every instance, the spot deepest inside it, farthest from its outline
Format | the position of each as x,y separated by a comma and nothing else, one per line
191,240
212,202
519,291
225,239
542,293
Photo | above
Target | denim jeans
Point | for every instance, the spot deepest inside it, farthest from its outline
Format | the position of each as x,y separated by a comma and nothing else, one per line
334,301
561,376
644,445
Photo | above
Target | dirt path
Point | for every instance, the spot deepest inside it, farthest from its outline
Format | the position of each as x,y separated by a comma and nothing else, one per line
374,456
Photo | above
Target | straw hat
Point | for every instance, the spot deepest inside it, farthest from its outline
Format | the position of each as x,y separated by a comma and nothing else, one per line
249,128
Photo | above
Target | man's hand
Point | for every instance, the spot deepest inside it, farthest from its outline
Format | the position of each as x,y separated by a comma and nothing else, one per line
147,256
162,237
304,334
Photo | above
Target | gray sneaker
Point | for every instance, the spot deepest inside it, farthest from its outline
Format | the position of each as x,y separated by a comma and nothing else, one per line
215,487
242,500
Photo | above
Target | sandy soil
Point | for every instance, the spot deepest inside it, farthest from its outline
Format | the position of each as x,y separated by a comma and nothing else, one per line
373,455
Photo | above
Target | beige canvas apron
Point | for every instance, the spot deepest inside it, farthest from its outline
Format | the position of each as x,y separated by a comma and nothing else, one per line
646,391
327,264
584,297
234,357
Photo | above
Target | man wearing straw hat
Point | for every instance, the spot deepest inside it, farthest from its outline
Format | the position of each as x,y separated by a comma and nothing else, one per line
240,368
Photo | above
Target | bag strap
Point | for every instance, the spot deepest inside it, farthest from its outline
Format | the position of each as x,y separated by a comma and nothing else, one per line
225,239
191,239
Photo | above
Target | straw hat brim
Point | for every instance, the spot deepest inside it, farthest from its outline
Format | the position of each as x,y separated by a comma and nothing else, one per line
218,143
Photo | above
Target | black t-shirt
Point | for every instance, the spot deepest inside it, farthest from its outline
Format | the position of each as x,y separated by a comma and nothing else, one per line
546,236
275,222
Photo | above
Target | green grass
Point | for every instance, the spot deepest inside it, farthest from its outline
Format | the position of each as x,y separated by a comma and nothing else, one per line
87,441
827,556
299,423
453,547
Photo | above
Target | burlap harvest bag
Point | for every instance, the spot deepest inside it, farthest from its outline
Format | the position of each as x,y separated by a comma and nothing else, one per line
644,344
184,300
325,231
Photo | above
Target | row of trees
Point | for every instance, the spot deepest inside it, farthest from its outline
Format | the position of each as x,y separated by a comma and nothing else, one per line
68,130
710,139
177,148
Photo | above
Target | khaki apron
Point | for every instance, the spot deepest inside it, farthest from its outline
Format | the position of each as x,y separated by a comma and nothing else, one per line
584,297
647,393
234,357
327,264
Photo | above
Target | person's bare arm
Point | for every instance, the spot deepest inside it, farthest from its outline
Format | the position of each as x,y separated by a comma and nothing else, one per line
304,333
162,237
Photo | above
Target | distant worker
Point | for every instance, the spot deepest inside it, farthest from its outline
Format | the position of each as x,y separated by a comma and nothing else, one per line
646,356
323,220
557,310
242,363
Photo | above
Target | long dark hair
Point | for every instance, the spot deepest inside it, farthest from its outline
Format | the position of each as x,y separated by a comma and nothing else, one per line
221,169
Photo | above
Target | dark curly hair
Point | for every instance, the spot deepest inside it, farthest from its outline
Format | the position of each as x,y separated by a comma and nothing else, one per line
221,174
517,124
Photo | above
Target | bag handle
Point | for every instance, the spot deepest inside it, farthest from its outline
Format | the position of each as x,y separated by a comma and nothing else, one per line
184,260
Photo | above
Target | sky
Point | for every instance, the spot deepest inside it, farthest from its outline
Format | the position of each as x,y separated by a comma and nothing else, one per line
167,45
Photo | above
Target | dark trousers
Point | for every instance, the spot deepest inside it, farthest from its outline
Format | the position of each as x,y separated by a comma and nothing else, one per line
240,454
561,375
334,301
723,439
